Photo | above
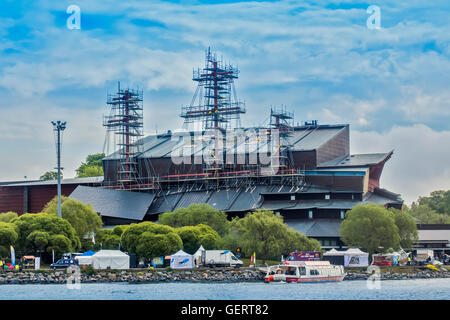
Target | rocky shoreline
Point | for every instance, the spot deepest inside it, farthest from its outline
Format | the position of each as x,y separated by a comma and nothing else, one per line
204,275
419,274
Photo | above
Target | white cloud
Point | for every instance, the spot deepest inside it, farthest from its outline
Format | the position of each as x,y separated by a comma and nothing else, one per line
420,163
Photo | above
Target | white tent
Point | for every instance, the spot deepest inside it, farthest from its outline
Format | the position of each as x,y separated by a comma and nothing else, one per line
87,260
181,260
113,259
198,256
354,257
334,252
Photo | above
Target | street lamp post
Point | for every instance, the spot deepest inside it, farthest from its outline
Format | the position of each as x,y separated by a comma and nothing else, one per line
58,127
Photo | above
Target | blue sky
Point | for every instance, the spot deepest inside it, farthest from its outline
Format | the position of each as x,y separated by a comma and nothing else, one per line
316,57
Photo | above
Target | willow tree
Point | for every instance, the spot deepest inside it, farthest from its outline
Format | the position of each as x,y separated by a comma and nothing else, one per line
268,236
370,227
82,217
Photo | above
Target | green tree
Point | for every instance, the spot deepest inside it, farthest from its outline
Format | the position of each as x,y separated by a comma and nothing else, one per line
118,230
196,214
148,239
39,240
426,215
92,167
60,244
195,236
8,216
268,236
50,175
153,245
27,223
371,227
407,228
111,241
82,217
8,237
438,201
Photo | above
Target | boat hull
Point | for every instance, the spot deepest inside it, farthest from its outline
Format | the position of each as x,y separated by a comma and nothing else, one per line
306,279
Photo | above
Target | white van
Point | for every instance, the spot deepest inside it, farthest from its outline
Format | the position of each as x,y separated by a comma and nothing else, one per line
220,258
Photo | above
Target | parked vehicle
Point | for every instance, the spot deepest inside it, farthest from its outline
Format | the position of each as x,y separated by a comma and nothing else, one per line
220,258
64,263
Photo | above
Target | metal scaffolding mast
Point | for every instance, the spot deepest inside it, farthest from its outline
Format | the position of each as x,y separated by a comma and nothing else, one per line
126,121
283,121
215,103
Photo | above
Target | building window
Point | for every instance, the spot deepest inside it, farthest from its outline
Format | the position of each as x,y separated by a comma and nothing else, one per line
342,214
310,214
327,197
353,196
292,196
277,213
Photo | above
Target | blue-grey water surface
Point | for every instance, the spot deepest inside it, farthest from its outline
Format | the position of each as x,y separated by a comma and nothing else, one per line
429,289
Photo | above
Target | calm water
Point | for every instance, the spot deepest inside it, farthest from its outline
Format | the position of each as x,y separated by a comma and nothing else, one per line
433,289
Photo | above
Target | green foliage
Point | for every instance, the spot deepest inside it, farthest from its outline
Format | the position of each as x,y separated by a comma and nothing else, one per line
425,215
50,175
27,223
4,251
8,216
196,214
407,228
148,240
268,236
371,227
38,239
81,216
153,245
438,201
111,241
8,234
92,167
195,236
60,244
118,230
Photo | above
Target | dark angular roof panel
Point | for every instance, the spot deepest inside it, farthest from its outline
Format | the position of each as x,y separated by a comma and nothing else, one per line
115,203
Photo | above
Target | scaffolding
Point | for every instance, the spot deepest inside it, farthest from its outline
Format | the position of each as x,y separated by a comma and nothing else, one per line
283,121
215,104
126,122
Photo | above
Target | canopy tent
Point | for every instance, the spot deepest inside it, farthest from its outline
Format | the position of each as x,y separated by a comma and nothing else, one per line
84,260
334,257
354,257
111,259
334,252
181,260
198,256
391,258
87,254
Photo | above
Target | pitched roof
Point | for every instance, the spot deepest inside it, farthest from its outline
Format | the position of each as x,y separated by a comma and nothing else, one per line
115,203
317,228
357,160
85,180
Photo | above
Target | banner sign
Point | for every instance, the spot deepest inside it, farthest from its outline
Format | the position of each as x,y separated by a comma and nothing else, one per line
37,263
159,261
13,256
304,256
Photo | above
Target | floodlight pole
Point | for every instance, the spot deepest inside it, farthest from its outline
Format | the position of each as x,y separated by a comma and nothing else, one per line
58,127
